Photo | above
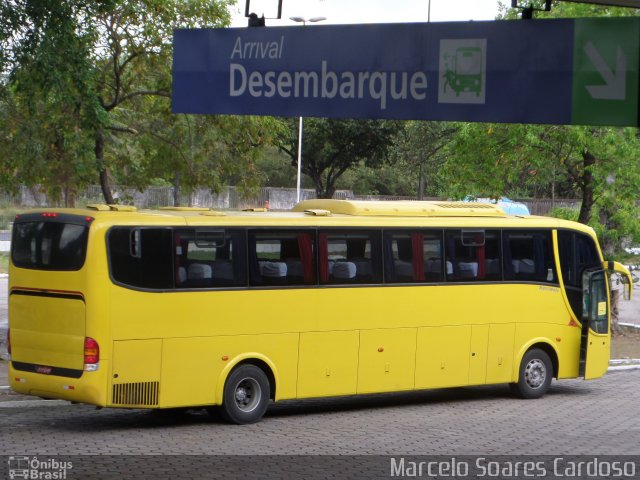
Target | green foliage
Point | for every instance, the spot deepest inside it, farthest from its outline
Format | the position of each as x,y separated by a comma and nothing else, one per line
399,178
7,215
87,99
276,170
564,213
421,148
567,10
330,147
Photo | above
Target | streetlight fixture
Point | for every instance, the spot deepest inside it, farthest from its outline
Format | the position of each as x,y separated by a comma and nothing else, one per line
304,23
305,20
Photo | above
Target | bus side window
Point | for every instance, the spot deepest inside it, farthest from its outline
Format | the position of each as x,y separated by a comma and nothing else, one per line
528,256
282,257
350,256
210,258
141,257
412,256
473,255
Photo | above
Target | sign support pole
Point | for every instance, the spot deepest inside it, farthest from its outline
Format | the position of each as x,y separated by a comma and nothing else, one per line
299,159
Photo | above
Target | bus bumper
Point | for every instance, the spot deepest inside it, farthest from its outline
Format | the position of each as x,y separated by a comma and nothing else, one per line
90,388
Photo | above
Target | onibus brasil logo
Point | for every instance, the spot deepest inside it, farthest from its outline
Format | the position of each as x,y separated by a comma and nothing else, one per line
34,468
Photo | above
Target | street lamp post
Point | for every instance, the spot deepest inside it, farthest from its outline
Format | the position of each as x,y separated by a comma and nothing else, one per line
304,23
299,160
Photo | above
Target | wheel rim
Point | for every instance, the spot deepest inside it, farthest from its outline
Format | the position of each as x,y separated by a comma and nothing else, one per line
247,394
535,373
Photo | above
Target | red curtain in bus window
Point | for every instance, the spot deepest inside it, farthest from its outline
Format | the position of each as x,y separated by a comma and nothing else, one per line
323,258
417,243
481,255
305,245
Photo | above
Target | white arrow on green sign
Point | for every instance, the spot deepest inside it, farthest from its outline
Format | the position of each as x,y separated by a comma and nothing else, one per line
606,63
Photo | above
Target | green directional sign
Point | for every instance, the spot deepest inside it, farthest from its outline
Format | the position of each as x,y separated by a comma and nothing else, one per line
606,63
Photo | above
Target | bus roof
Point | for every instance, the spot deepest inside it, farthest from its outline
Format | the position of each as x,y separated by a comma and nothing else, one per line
399,214
402,208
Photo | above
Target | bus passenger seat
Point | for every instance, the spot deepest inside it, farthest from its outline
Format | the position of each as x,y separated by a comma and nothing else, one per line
468,269
523,266
330,265
404,269
294,267
344,270
199,271
527,265
182,275
363,266
273,269
223,270
492,266
433,265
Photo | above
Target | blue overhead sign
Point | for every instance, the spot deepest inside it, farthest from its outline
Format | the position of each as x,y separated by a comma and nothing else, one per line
508,71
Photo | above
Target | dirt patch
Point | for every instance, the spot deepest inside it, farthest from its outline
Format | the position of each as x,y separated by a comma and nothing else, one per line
626,345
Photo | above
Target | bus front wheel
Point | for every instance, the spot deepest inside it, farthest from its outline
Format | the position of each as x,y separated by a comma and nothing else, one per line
246,395
536,372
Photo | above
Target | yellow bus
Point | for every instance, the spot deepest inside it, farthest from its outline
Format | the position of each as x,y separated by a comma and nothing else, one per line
188,307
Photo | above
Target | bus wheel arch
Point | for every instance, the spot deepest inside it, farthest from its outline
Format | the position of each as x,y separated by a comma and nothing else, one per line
537,366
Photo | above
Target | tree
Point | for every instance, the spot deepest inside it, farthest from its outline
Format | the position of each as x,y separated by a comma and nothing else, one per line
49,98
422,144
330,147
88,64
202,150
497,160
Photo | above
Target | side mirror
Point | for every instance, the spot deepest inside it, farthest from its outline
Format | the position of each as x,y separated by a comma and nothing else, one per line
623,274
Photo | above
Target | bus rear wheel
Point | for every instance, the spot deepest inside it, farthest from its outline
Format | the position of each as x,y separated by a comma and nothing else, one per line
534,378
246,395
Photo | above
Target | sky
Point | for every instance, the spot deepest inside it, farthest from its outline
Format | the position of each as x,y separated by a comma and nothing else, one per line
369,11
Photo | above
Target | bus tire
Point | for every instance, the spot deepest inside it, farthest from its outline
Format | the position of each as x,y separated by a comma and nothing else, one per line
246,395
534,378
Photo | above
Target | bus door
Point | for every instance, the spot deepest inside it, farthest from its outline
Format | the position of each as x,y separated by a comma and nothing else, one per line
595,342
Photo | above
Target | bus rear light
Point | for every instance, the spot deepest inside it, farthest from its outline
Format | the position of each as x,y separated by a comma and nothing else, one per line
20,380
91,354
49,214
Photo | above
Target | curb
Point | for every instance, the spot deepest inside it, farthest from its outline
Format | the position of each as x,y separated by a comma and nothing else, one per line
621,368
33,403
629,325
